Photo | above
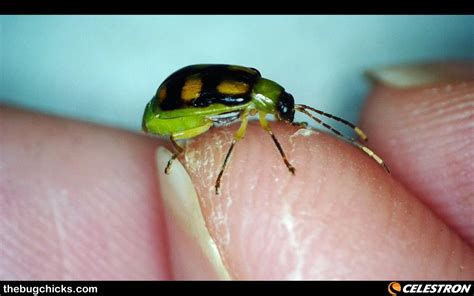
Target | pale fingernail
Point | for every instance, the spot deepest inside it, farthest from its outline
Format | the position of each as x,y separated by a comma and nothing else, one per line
194,254
414,75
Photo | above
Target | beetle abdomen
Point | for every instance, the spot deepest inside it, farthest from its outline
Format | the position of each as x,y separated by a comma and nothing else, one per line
203,85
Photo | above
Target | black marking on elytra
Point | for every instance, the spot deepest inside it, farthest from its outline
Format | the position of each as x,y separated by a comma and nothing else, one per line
211,76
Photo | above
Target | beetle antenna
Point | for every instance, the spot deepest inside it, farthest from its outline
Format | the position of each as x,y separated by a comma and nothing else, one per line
358,131
351,140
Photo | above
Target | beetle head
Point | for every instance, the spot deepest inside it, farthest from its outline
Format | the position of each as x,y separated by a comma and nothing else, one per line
286,107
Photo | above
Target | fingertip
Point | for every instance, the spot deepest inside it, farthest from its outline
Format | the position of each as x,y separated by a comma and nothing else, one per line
193,253
339,210
423,131
79,201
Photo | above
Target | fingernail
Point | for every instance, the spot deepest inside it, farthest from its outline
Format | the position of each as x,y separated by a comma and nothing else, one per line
414,75
194,254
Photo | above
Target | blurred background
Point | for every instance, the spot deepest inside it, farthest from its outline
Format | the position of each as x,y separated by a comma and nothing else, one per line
106,68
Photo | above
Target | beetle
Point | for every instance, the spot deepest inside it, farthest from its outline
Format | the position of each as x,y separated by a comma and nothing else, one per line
195,98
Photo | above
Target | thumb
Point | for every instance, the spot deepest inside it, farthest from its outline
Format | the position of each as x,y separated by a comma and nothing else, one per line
340,217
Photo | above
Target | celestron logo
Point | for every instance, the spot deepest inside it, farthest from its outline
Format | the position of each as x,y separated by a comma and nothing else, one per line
395,287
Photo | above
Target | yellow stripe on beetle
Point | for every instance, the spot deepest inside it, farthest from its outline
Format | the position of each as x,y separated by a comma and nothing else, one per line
228,87
162,94
191,89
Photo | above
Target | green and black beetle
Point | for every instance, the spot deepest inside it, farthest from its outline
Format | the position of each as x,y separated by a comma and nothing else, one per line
196,97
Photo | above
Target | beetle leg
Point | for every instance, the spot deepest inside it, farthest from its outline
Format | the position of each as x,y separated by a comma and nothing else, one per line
178,149
302,124
186,134
266,126
237,137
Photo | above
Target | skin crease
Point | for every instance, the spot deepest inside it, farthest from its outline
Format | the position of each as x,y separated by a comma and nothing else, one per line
81,201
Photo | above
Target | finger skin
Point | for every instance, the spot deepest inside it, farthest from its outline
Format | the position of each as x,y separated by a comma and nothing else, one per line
426,135
340,217
81,202
78,201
